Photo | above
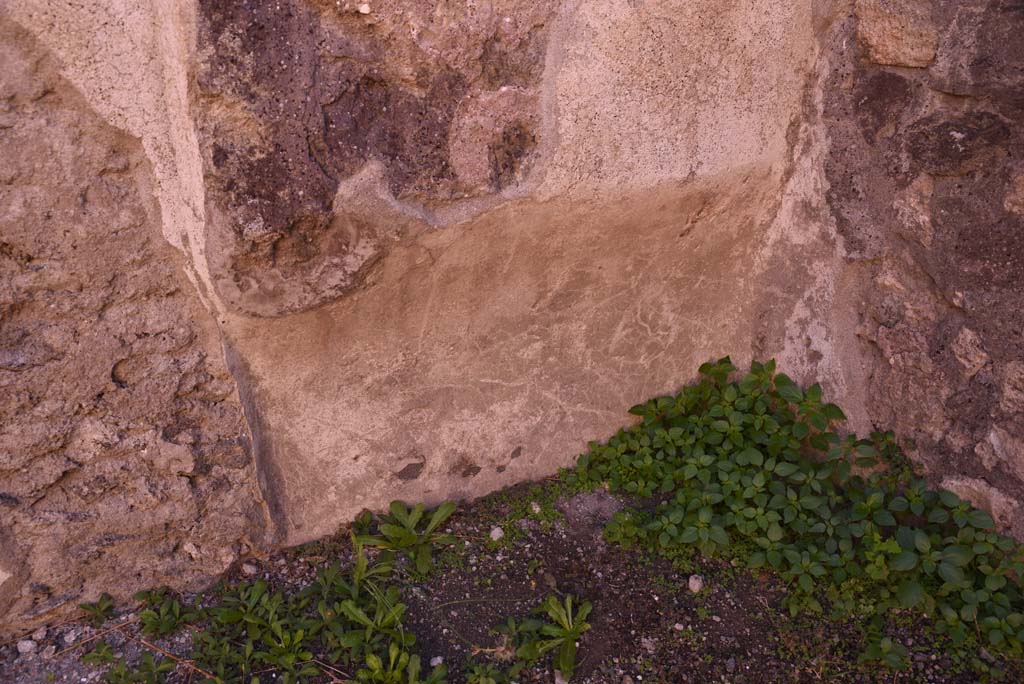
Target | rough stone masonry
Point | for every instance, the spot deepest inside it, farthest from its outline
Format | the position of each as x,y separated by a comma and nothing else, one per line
266,263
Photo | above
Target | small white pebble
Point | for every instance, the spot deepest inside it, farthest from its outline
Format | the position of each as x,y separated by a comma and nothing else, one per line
678,627
535,507
249,569
696,583
26,646
436,660
39,634
363,7
497,533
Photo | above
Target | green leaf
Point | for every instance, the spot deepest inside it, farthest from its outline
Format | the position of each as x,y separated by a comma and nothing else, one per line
969,612
867,451
530,651
949,499
754,457
907,560
833,412
898,504
787,389
718,535
884,518
567,658
981,520
423,560
995,582
443,512
399,513
415,515
785,469
958,555
951,573
910,593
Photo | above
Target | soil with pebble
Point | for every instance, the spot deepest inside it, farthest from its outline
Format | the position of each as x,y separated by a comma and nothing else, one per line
653,621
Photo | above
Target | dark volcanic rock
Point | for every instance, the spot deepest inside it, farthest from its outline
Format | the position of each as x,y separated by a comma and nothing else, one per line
922,192
301,95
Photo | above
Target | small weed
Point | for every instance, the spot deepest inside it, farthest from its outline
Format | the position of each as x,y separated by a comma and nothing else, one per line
353,616
561,634
101,654
477,673
164,613
402,531
524,642
148,671
888,652
400,668
100,611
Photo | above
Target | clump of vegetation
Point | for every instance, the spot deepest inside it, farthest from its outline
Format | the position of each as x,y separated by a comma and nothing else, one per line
754,470
164,612
402,531
525,642
353,617
561,634
99,611
148,671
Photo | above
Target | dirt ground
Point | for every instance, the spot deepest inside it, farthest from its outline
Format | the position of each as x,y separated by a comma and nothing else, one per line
648,623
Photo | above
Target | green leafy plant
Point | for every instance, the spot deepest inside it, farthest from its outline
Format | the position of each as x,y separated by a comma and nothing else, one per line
407,531
101,654
400,668
99,611
164,614
887,651
754,470
525,641
518,639
255,628
383,624
120,673
561,634
350,616
484,673
148,671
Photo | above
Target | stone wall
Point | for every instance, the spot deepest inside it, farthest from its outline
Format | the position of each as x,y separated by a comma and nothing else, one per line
925,113
125,459
269,263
